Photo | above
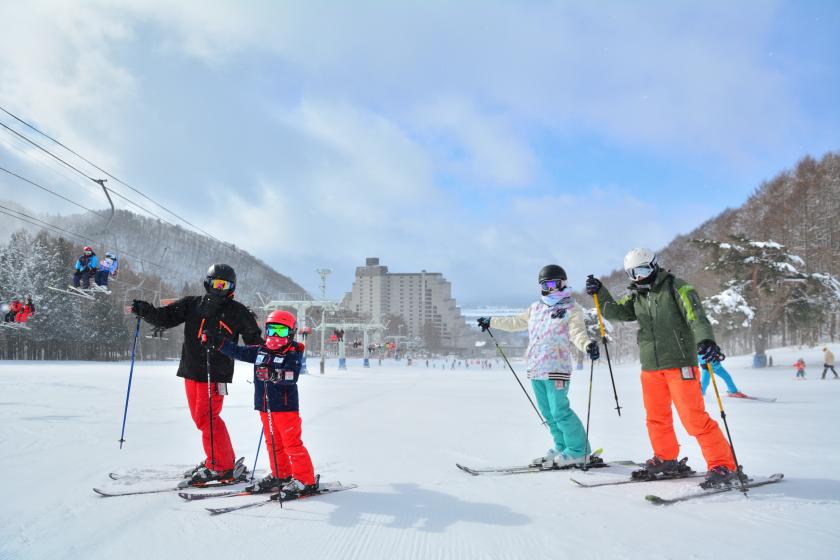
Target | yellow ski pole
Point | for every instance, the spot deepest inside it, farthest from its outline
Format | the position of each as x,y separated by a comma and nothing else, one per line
606,349
726,425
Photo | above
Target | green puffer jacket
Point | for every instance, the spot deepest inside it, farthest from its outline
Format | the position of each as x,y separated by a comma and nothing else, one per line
671,321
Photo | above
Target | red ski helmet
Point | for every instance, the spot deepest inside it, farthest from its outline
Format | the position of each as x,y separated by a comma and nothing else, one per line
276,337
87,250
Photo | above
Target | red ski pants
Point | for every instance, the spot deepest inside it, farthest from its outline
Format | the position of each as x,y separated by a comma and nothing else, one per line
219,448
286,453
662,387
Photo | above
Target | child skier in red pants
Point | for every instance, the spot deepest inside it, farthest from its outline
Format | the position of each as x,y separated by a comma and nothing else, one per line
277,364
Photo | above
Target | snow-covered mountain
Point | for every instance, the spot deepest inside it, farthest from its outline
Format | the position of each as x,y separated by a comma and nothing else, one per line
177,255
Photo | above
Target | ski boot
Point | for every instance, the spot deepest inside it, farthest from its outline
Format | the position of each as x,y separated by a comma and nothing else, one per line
270,483
192,471
736,394
295,489
721,477
655,468
547,460
202,475
563,461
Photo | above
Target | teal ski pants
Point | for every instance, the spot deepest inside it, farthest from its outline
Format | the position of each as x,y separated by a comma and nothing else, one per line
721,372
565,426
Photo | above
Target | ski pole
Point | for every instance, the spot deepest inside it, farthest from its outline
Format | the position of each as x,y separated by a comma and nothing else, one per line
257,456
271,432
588,409
504,357
210,412
130,375
606,348
726,425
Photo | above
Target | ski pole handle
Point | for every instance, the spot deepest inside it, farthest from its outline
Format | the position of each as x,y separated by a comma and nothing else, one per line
598,312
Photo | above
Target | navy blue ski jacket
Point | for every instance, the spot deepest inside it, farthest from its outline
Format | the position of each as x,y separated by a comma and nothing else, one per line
283,393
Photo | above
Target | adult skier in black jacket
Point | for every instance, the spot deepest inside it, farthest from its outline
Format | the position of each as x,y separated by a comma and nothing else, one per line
218,313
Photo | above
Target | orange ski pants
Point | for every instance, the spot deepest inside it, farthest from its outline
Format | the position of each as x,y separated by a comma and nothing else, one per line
662,387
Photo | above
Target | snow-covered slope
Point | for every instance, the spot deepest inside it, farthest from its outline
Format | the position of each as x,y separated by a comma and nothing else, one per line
397,432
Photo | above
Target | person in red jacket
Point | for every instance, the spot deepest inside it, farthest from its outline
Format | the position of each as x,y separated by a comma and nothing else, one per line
26,311
216,312
277,365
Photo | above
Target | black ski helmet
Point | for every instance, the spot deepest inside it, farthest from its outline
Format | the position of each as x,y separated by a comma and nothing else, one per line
220,272
551,272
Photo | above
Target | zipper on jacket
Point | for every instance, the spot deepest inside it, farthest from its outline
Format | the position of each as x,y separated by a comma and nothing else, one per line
652,331
679,345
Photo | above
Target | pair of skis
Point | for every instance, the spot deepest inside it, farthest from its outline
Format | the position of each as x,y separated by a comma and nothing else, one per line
279,497
182,484
751,398
595,462
654,499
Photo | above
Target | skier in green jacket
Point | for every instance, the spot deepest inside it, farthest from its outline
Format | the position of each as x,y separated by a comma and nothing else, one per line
673,330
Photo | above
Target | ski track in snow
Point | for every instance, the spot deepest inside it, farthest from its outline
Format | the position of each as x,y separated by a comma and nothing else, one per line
397,432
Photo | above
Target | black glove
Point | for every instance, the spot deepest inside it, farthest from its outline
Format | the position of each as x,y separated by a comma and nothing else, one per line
592,285
141,308
212,340
484,323
710,351
593,351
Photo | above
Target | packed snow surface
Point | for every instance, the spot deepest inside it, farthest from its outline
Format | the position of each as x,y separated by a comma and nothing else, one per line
397,432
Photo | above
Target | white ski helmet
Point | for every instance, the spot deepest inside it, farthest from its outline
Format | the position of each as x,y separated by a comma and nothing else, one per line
639,263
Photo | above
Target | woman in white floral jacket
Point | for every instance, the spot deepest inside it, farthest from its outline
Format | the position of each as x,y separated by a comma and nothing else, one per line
554,323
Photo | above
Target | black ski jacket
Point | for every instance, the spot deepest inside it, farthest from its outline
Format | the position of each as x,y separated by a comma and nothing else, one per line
228,318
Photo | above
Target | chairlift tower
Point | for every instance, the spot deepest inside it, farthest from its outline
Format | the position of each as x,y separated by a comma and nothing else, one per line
366,328
323,273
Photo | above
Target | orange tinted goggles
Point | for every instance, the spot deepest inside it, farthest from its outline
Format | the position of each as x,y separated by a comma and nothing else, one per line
219,284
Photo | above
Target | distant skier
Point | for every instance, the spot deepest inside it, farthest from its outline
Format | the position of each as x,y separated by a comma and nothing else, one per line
721,372
828,363
800,368
215,312
14,308
108,268
277,364
554,323
673,330
86,266
26,311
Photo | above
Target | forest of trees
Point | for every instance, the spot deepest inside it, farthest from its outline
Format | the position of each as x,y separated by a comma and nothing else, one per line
799,210
67,327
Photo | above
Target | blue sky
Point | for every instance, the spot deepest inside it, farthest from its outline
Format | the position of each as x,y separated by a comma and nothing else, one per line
478,139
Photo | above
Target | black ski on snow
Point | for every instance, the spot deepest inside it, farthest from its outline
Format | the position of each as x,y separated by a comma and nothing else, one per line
191,496
280,497
141,477
635,480
711,492
180,486
115,493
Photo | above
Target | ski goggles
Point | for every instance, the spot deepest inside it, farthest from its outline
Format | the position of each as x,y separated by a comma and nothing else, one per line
640,272
219,284
274,329
549,285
